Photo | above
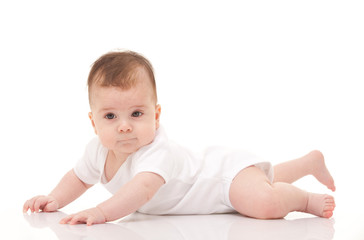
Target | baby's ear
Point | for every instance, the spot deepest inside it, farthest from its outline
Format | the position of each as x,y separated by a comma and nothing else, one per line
92,121
157,115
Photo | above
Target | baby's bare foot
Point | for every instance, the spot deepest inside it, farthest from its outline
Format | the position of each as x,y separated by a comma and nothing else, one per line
320,171
321,205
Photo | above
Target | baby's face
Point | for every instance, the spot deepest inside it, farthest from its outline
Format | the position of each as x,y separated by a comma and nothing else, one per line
124,120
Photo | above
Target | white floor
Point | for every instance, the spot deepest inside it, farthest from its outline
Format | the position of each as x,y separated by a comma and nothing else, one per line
346,224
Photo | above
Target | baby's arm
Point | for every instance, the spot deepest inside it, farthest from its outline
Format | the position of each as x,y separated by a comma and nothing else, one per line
127,200
68,189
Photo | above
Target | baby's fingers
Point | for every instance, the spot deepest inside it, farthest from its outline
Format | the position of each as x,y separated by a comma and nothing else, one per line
29,204
66,219
37,205
26,206
90,220
40,203
73,219
77,219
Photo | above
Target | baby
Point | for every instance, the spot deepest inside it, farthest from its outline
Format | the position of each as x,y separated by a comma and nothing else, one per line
133,158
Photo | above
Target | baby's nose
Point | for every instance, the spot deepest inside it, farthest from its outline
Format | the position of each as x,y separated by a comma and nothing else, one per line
124,127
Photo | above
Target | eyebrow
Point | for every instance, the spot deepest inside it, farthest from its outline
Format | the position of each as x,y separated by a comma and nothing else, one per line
137,106
112,108
106,109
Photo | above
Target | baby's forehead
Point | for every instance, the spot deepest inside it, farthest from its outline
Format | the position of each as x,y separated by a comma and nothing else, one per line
141,91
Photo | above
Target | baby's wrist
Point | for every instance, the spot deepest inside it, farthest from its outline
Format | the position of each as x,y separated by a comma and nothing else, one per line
54,199
101,213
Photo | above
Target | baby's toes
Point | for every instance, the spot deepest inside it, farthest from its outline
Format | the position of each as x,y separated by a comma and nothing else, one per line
329,208
327,214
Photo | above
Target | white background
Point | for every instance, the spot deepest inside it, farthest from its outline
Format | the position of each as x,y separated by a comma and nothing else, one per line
277,78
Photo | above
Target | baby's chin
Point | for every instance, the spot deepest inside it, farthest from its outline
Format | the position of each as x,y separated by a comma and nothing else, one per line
129,147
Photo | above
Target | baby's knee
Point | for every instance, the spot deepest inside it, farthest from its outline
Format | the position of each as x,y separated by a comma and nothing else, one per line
264,205
269,206
316,154
252,194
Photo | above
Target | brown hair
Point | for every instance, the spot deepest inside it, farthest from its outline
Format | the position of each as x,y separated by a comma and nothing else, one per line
120,69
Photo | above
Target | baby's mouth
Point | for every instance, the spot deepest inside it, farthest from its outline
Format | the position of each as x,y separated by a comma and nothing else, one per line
129,140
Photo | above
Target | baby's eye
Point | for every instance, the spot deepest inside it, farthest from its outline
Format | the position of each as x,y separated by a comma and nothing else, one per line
110,116
136,114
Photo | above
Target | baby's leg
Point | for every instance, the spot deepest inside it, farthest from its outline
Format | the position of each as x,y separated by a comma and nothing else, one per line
252,194
311,164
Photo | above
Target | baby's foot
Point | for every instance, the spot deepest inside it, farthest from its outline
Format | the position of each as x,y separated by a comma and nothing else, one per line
320,171
321,205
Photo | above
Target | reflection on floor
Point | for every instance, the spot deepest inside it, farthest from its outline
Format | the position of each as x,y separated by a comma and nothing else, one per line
212,227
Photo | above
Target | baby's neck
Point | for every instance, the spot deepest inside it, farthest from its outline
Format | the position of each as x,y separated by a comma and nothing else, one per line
113,162
118,156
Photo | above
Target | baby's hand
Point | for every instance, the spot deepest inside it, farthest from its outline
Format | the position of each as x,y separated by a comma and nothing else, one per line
89,216
44,203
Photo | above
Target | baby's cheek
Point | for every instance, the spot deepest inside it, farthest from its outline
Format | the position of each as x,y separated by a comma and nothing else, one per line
105,140
148,137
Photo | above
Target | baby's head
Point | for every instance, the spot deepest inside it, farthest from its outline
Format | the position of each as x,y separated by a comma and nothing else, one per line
123,101
122,70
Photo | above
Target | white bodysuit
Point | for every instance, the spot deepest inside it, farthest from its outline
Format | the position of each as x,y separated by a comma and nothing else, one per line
194,184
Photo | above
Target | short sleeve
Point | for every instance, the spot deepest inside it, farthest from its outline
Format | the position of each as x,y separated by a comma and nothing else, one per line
155,158
157,162
90,166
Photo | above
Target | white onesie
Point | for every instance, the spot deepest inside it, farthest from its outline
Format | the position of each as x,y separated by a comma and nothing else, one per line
194,184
